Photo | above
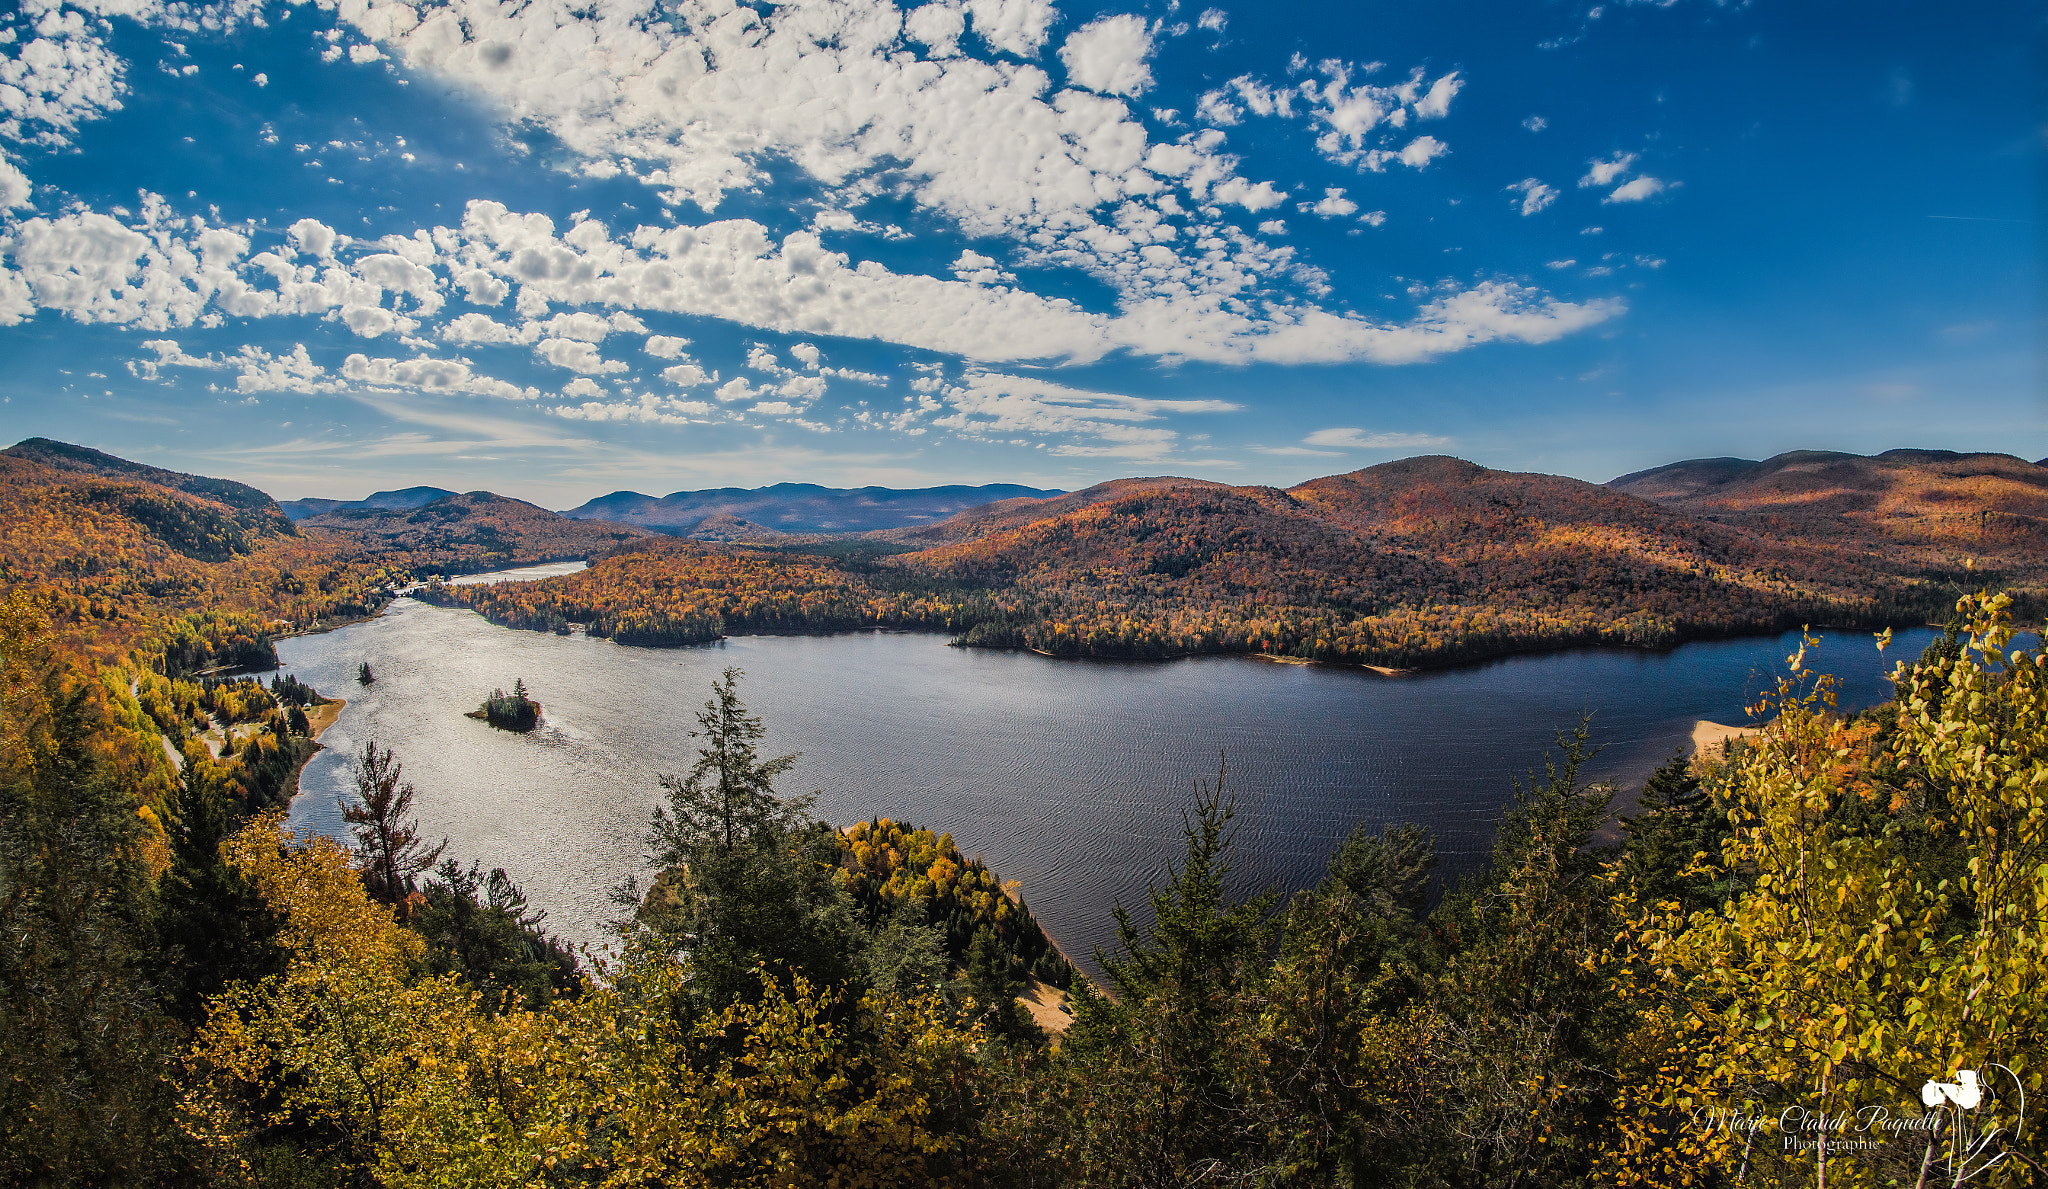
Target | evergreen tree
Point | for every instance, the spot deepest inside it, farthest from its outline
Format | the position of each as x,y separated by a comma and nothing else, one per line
1676,822
1163,1106
993,983
1514,1083
389,849
903,954
728,799
212,924
478,926
85,1053
748,877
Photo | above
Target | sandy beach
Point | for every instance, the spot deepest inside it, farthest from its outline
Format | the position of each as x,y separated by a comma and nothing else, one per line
1707,735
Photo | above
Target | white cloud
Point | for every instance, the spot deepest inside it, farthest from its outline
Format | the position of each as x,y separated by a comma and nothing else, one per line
577,356
646,409
165,271
15,187
776,407
293,371
1373,218
991,405
56,74
1212,19
1535,123
806,354
429,375
1535,195
1637,190
1273,227
478,328
1355,122
1108,55
736,389
938,27
686,375
1418,153
663,346
580,325
360,54
1437,103
583,386
1560,264
1359,439
1014,26
1332,205
1605,171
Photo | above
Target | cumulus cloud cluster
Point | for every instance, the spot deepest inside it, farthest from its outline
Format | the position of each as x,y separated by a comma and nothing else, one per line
1602,172
164,272
973,109
1359,123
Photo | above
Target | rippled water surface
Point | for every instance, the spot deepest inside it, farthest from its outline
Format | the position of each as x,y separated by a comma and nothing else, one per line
1066,775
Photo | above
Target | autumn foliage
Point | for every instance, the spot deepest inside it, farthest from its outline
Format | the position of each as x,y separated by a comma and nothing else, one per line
1424,561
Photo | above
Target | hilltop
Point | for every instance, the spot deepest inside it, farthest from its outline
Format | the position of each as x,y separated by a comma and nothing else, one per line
124,555
250,509
797,508
471,532
404,499
1921,509
1421,561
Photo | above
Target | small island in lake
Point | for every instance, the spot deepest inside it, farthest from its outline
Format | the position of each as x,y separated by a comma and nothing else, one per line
512,712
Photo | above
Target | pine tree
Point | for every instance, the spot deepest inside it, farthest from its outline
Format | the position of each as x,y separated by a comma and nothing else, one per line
748,877
389,849
1677,822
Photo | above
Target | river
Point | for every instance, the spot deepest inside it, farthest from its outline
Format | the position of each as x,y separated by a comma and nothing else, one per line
1067,775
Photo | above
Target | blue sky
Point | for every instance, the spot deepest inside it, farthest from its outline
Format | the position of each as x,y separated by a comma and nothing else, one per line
556,251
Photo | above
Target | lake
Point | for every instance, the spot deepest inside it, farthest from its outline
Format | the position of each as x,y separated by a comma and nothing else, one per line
1067,775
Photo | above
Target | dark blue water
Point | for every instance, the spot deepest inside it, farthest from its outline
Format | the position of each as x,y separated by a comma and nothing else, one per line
1066,775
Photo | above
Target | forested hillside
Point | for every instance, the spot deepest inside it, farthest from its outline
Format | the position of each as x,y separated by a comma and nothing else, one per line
469,533
199,573
1903,509
1423,561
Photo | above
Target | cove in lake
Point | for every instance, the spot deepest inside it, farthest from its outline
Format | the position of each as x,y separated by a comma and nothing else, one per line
1067,775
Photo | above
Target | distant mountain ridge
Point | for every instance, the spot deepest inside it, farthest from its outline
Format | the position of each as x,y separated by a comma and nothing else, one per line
471,531
402,500
798,507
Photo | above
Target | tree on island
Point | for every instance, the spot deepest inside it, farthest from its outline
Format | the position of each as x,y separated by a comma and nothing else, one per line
363,674
513,712
389,852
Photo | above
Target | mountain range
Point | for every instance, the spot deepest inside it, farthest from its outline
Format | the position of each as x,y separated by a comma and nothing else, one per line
735,513
402,500
1424,560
